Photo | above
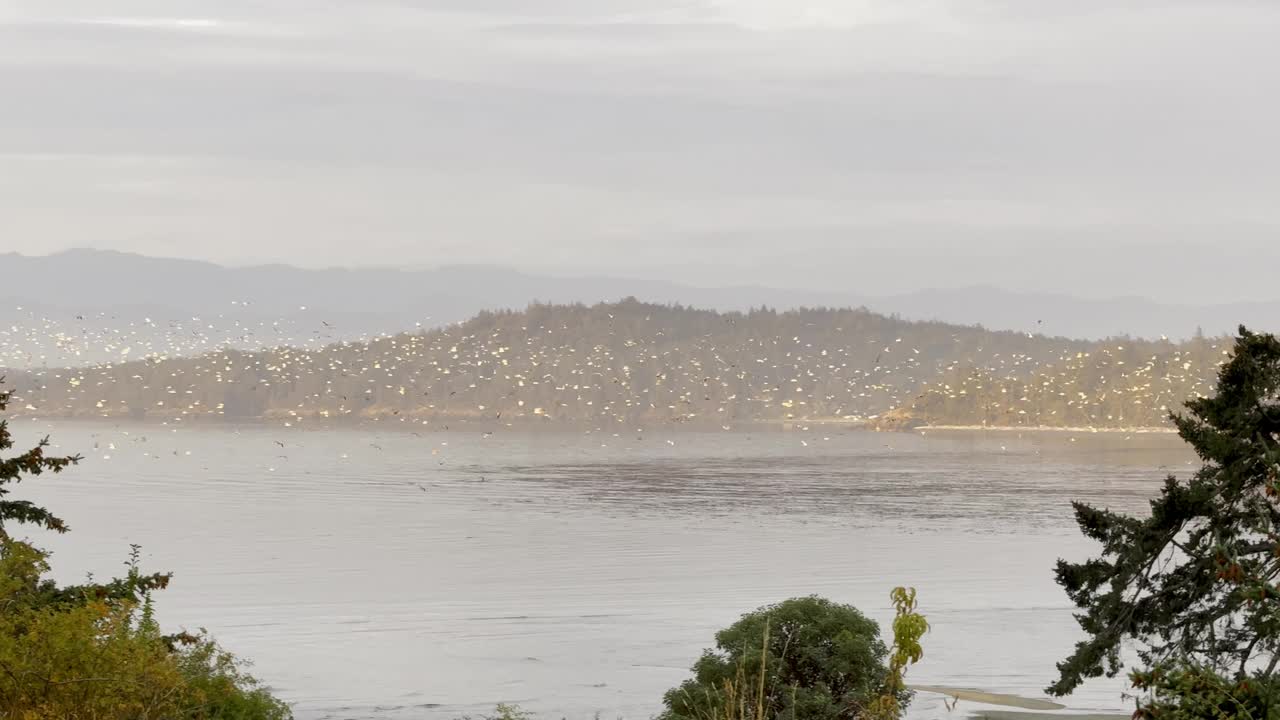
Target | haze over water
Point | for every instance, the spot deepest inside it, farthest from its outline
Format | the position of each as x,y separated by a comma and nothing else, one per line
395,575
327,295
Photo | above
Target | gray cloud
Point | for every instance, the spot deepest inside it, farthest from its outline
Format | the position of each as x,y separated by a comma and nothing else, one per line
735,140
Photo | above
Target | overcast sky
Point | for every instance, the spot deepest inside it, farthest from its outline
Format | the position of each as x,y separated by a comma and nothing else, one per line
1100,147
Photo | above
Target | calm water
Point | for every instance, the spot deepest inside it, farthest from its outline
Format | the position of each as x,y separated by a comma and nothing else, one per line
391,575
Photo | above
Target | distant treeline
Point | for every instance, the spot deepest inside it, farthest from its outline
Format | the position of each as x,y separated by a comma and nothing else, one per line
632,363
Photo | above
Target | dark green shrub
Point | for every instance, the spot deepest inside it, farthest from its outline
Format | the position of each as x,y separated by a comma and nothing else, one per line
1186,691
805,658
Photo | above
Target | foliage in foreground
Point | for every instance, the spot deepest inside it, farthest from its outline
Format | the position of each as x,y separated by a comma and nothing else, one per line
909,626
805,658
95,652
1186,691
504,711
1194,585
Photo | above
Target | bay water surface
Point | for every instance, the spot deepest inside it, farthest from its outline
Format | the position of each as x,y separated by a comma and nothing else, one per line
389,574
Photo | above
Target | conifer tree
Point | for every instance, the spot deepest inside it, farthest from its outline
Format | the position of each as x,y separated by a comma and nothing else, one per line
1194,586
32,463
12,471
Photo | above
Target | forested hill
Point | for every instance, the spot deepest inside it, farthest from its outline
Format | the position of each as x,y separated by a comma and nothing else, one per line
632,363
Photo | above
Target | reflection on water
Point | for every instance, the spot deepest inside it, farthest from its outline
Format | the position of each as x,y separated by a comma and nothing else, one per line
398,575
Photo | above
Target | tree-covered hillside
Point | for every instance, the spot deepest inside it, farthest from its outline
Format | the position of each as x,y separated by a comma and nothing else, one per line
1112,384
635,363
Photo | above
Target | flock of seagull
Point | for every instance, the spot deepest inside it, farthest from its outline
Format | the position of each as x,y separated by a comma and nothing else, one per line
32,338
610,365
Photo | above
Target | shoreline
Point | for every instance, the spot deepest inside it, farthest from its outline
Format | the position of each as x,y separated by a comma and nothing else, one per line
486,425
1140,430
990,698
1026,708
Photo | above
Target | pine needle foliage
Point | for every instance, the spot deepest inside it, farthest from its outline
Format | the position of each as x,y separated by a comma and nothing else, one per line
1193,586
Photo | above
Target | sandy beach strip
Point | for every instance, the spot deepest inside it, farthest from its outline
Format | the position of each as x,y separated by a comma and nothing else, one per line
990,698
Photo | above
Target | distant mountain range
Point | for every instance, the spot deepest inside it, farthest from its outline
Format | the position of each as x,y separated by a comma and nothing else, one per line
83,306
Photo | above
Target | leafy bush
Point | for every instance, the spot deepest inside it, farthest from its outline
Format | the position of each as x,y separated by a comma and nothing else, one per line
87,661
805,658
106,659
95,652
217,685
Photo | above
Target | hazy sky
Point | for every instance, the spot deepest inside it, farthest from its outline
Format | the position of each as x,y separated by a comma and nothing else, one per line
1096,146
